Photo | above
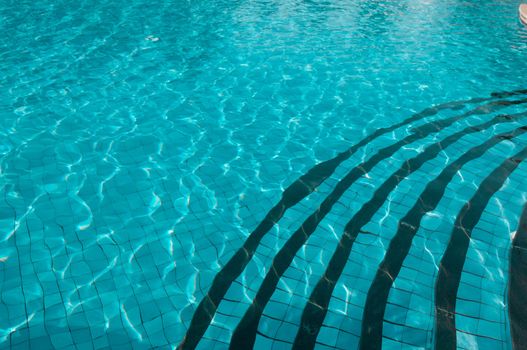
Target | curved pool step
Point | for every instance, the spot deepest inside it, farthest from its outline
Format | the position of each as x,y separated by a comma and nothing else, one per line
451,265
245,330
293,194
316,308
401,243
245,334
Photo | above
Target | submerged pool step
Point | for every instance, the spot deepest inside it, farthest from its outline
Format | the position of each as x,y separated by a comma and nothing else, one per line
319,300
350,300
292,195
261,293
409,314
272,242
451,265
407,228
206,309
481,315
245,333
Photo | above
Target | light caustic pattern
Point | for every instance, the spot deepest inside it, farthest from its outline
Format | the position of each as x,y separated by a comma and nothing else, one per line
235,173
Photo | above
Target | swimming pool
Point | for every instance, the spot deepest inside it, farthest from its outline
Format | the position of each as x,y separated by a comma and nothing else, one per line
267,174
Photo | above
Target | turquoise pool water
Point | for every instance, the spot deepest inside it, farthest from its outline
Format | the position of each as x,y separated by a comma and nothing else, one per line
151,153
